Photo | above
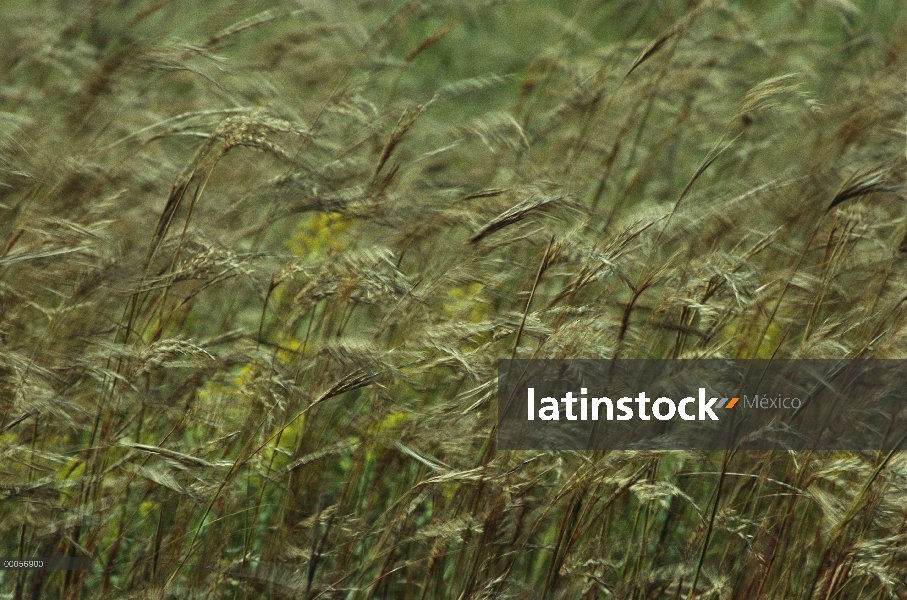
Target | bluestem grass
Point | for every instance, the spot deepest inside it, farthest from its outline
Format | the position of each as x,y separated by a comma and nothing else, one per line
257,267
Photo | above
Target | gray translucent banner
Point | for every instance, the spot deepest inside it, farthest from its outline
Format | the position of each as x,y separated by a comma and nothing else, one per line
52,563
702,404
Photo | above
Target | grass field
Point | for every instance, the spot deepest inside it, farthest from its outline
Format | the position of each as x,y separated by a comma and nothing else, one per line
258,265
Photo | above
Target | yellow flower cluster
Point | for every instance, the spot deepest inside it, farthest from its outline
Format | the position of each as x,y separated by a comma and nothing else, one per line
318,233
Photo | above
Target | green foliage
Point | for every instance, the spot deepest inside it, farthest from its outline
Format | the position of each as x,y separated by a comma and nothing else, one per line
258,262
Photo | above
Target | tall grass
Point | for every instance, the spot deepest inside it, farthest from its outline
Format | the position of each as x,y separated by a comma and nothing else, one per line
257,267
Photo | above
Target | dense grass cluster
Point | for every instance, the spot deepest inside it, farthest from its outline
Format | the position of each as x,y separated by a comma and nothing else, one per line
257,267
